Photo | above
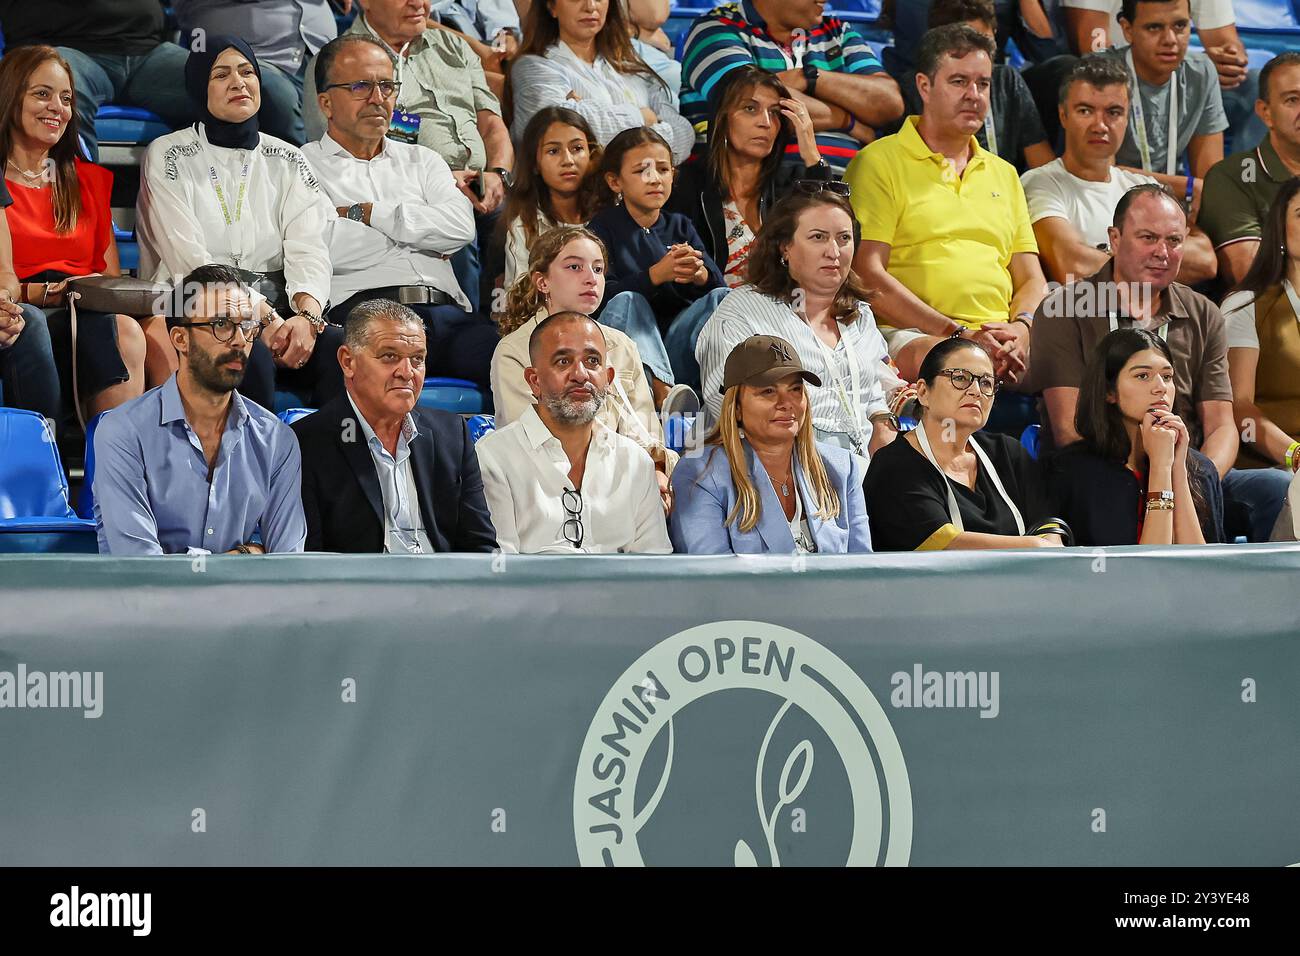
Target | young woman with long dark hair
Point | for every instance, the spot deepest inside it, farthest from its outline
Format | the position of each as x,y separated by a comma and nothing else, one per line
554,182
1132,478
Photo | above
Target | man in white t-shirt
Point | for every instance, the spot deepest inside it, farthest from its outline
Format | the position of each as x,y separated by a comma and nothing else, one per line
1072,199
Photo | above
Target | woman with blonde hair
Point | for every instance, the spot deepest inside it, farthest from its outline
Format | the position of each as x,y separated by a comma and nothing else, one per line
566,273
765,484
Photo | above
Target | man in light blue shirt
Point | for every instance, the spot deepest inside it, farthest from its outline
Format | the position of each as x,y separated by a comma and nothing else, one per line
190,467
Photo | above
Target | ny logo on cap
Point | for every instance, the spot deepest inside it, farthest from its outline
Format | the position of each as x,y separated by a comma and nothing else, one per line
780,352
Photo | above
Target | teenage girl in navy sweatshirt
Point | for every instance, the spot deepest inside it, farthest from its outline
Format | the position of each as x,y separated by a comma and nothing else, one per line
656,255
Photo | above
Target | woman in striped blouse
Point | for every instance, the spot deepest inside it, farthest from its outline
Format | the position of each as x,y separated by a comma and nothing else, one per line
800,286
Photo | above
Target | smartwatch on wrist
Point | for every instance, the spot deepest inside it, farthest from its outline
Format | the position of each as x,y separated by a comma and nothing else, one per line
810,74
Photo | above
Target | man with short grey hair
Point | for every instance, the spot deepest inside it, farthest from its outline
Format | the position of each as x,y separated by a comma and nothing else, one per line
381,474
557,480
399,215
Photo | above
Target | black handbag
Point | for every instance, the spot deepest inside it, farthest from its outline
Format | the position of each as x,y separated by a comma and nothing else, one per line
271,285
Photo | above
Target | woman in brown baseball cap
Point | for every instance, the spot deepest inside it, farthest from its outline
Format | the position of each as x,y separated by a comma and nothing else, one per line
762,483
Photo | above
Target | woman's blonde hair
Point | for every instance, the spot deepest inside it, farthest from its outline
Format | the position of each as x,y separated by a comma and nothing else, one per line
524,299
728,434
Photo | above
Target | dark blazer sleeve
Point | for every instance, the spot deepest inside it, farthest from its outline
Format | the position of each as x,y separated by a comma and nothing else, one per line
474,531
310,486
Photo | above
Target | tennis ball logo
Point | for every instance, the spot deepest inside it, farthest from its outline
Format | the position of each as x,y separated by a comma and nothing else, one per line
844,754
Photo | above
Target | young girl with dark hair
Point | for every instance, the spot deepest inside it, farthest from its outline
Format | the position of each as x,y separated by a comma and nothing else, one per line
554,182
655,254
1132,478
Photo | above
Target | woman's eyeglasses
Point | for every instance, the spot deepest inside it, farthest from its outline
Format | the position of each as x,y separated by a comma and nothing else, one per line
811,187
223,330
364,89
572,501
961,380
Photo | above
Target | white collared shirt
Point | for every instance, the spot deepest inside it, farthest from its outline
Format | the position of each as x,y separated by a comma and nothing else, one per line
419,218
525,474
280,226
403,523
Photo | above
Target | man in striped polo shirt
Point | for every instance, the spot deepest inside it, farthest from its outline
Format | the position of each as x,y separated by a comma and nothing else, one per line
825,63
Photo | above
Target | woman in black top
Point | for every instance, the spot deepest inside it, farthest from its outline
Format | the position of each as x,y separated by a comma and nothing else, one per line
1132,478
746,169
946,484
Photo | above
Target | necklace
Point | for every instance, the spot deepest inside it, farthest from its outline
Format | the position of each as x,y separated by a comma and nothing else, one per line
27,174
785,487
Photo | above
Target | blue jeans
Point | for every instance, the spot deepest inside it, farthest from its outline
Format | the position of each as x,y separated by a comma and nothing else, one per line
27,368
669,358
155,82
281,112
1255,496
1245,128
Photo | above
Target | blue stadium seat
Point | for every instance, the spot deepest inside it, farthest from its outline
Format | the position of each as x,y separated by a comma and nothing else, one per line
35,512
1029,438
286,400
86,500
451,395
290,415
480,425
128,125
677,429
1272,16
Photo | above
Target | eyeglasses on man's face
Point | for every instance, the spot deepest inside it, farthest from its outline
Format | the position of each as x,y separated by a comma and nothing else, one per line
364,89
223,330
961,379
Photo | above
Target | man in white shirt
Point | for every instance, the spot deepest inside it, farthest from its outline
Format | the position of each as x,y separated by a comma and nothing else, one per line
557,480
1072,199
399,213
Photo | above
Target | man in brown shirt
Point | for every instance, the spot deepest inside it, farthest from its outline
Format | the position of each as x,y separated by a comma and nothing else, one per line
1137,288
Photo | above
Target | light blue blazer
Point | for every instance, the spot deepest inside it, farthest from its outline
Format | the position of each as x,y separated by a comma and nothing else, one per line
703,496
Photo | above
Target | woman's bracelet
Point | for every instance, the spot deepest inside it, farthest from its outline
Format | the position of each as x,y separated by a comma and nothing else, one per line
1160,501
1293,456
45,293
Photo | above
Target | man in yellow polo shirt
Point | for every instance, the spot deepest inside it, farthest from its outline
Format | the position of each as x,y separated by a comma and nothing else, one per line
946,238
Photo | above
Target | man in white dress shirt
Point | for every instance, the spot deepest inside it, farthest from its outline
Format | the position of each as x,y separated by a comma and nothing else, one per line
399,213
557,480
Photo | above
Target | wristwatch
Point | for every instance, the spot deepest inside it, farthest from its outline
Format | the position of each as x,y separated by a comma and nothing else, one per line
887,418
356,213
810,74
504,174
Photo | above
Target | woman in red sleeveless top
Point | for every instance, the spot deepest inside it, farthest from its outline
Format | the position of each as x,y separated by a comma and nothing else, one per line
62,227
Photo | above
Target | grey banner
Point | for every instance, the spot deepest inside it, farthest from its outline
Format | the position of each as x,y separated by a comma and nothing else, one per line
1120,707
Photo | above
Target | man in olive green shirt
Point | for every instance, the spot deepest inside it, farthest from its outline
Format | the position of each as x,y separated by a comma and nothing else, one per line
1239,190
